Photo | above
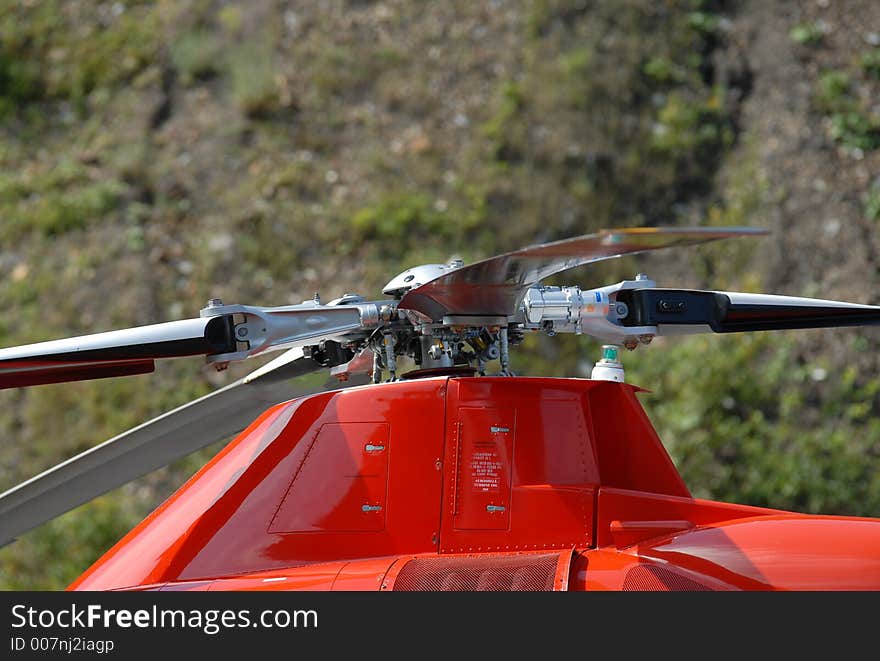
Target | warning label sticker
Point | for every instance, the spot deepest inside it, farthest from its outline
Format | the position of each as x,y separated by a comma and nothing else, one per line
486,468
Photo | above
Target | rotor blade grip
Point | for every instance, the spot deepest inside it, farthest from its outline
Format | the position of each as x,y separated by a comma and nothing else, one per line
678,307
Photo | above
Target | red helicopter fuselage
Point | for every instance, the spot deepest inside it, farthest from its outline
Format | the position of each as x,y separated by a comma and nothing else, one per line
470,483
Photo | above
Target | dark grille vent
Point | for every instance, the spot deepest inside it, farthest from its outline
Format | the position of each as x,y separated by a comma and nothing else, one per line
477,574
660,579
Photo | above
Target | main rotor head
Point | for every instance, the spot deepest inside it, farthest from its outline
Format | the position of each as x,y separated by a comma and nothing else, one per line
443,316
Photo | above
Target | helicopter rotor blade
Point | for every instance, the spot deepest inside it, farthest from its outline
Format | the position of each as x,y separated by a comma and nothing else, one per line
158,442
680,311
496,286
115,353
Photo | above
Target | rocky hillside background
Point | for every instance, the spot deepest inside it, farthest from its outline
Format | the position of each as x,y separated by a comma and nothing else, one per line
156,154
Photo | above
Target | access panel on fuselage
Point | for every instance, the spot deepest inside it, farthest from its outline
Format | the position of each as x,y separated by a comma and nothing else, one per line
520,472
342,483
351,474
484,457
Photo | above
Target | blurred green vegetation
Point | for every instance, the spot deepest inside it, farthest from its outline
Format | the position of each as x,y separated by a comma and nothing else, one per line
751,421
807,34
854,121
197,55
155,154
59,50
872,202
870,63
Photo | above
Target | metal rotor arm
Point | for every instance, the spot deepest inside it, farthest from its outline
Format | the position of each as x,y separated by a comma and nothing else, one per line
223,333
634,311
257,329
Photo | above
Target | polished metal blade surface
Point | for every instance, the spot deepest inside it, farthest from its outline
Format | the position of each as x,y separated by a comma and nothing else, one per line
495,286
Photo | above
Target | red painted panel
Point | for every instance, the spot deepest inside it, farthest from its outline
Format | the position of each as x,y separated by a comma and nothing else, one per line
315,578
779,552
484,458
629,452
561,515
187,586
236,524
553,472
627,533
627,505
219,523
364,575
148,553
341,484
242,538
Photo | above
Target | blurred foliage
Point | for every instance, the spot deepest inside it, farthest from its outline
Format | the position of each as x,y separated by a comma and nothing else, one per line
870,63
854,121
60,50
153,155
872,202
62,197
253,79
807,34
197,55
749,420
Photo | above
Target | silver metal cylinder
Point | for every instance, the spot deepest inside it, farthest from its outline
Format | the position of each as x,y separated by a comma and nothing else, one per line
553,304
369,315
